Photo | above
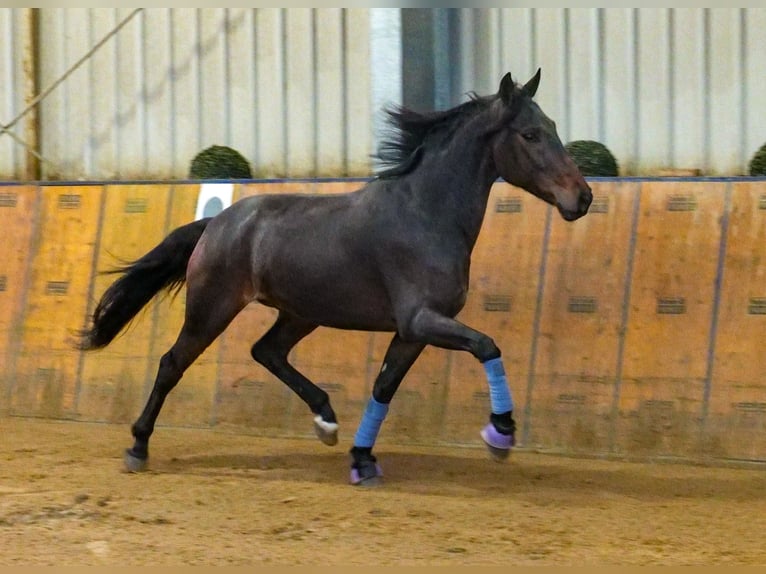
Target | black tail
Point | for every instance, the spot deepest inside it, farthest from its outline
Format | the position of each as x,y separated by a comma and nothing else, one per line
164,267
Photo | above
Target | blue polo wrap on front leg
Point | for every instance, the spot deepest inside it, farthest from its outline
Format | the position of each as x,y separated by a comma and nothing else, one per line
373,418
499,392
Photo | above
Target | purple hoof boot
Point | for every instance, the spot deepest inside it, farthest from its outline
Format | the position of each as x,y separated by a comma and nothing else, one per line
498,444
366,475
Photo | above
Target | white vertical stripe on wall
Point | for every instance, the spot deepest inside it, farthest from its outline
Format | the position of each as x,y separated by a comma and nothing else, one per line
299,44
517,52
582,80
358,89
619,96
213,80
653,88
329,77
186,89
104,120
241,81
386,60
10,164
689,87
726,84
550,49
157,92
270,100
466,25
130,113
485,51
52,63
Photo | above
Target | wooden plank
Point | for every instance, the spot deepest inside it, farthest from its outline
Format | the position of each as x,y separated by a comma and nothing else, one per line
61,263
112,380
19,210
737,412
577,361
668,332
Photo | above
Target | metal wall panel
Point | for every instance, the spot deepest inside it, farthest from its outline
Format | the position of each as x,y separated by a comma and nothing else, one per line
292,89
12,156
281,86
663,88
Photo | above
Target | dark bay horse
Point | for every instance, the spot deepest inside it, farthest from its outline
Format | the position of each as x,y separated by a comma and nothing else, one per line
392,256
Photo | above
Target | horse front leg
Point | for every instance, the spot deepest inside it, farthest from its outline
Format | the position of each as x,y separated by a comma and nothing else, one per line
429,327
400,356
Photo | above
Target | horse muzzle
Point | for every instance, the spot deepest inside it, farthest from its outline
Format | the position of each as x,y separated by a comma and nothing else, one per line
580,207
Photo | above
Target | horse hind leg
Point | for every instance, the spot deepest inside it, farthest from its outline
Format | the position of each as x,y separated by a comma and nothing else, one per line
271,351
209,310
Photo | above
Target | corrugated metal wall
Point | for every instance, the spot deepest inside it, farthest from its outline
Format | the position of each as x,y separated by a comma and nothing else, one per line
298,91
288,88
661,87
12,155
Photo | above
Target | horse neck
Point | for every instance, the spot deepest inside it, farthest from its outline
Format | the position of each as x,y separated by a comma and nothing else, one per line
454,184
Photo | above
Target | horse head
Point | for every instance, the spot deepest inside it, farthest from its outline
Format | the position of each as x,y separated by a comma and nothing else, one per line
528,152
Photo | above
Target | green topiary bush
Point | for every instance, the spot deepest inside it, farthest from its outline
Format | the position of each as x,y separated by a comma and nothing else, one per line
758,162
593,158
220,162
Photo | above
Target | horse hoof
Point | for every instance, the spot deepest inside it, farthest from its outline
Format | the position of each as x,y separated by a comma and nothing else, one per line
134,463
499,445
327,432
367,475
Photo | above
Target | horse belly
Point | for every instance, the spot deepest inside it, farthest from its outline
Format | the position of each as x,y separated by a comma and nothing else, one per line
341,299
328,310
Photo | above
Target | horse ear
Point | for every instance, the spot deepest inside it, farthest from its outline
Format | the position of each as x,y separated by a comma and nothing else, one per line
530,88
507,86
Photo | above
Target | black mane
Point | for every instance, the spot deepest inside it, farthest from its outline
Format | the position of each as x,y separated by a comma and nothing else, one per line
401,150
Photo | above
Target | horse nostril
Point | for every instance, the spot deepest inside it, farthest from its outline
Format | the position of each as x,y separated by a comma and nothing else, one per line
585,200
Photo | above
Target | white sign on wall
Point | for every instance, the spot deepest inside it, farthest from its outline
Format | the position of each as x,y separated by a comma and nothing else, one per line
213,198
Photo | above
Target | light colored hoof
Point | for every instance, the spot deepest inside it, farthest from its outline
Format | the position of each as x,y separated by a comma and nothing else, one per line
371,482
133,463
369,476
498,445
327,432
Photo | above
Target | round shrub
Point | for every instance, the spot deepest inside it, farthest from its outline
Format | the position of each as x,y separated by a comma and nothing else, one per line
593,158
220,162
758,162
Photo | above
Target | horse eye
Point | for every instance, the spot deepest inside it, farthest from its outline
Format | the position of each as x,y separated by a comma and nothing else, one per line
531,136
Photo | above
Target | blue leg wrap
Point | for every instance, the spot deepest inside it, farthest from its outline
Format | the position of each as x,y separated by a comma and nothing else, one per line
499,392
369,427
